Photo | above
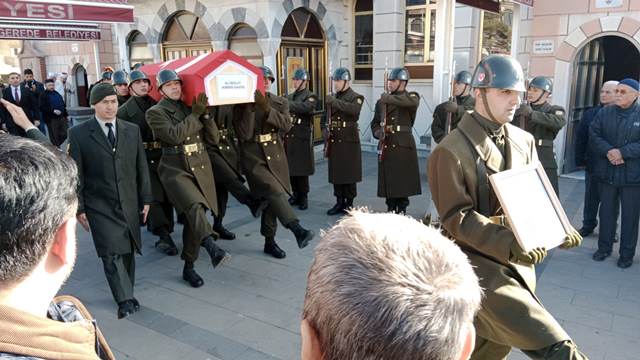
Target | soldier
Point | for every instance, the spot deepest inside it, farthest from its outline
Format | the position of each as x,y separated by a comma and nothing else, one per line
185,168
121,83
105,76
299,140
463,103
161,211
259,127
398,171
483,144
226,170
343,141
543,121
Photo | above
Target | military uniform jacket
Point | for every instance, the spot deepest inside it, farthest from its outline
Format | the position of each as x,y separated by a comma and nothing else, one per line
345,155
224,155
264,162
173,125
123,99
133,111
544,124
299,140
439,124
398,172
113,185
510,309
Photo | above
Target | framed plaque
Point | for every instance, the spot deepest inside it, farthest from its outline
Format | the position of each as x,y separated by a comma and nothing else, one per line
531,207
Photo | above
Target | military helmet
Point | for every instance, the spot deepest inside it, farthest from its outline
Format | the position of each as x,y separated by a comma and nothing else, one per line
138,75
341,74
106,75
166,75
399,74
266,72
542,83
463,77
301,74
120,78
500,72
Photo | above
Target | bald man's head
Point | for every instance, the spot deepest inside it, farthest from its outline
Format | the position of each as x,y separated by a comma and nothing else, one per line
608,92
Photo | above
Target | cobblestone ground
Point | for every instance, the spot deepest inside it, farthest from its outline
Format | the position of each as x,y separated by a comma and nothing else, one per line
250,309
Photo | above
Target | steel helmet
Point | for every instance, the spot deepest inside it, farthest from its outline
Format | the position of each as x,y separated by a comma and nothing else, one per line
166,75
542,83
500,72
399,74
341,74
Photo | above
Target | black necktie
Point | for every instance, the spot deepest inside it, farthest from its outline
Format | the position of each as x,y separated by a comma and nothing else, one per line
110,135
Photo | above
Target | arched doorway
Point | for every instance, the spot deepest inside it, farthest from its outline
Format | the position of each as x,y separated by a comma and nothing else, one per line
243,41
82,83
185,35
303,45
602,59
139,51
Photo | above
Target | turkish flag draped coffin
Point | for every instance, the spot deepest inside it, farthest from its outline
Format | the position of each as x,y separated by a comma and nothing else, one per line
225,77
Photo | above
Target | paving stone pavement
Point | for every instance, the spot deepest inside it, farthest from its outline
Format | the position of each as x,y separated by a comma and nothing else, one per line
250,309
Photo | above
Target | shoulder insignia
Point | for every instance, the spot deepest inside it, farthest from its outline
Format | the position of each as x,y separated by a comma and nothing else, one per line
312,99
559,112
359,100
413,94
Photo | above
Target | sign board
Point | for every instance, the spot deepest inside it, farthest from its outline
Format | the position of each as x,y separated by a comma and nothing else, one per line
231,83
41,31
605,4
544,46
487,5
65,11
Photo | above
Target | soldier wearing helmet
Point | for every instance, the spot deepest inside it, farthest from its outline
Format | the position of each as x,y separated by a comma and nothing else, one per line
457,107
485,143
299,140
160,220
543,121
343,141
121,83
392,124
259,127
185,168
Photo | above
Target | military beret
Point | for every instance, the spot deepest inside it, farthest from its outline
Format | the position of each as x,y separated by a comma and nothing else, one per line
101,91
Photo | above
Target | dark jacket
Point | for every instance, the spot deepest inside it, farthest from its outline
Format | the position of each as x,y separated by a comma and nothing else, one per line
616,128
113,185
544,124
27,104
47,106
439,124
299,140
225,160
35,95
583,154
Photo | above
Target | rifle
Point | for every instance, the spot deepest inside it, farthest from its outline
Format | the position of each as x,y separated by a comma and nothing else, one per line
383,123
327,141
522,120
452,97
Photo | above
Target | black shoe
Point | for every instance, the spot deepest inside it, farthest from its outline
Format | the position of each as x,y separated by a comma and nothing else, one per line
125,308
337,208
303,202
294,200
136,304
271,248
625,263
348,205
166,245
303,236
223,233
584,232
601,255
257,206
190,275
218,256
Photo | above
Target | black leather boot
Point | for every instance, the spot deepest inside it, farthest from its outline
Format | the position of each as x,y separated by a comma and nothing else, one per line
166,245
337,208
303,236
293,199
303,202
223,233
272,248
190,275
348,204
218,256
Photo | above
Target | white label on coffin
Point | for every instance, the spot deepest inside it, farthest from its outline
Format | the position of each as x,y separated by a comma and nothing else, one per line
233,83
232,86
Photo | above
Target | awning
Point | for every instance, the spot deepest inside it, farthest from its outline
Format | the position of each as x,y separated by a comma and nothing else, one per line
48,31
93,11
487,5
524,2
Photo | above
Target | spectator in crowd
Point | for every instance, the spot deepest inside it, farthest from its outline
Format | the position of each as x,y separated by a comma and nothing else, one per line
54,113
384,286
65,89
615,141
35,89
19,95
584,158
37,252
22,121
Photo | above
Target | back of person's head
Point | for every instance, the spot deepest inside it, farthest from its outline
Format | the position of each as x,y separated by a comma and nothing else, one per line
38,186
386,287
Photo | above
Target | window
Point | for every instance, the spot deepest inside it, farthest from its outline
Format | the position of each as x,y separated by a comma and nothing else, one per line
363,42
419,42
139,51
185,36
243,41
496,31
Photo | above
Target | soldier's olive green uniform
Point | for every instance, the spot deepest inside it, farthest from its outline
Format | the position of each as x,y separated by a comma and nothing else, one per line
398,170
263,158
123,99
511,315
299,141
160,217
185,168
544,124
439,124
226,163
345,156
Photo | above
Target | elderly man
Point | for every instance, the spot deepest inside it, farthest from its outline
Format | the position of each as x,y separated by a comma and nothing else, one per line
355,308
584,158
54,113
615,139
